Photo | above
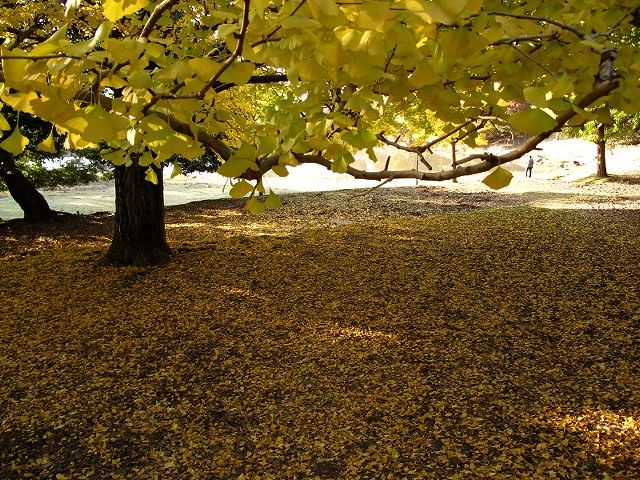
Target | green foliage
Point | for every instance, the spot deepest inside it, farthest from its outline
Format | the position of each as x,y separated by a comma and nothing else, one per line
43,167
71,171
623,129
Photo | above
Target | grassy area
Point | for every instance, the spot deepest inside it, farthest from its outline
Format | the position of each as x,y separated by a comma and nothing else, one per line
488,343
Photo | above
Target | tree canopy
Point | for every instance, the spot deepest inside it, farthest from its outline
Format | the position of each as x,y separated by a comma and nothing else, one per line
149,77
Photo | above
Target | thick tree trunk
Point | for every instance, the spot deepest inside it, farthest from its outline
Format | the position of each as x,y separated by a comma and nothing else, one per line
32,203
139,237
601,144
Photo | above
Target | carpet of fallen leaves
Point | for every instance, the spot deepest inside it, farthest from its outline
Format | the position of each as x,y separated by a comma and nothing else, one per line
408,333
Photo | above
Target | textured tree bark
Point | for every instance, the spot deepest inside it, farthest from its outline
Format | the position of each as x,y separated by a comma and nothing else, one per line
139,236
601,144
32,203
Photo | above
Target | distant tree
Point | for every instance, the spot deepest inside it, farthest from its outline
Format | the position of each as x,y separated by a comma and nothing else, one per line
18,130
610,127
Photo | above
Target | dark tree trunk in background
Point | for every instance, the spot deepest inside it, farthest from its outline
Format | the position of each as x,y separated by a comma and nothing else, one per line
139,237
32,203
601,144
453,159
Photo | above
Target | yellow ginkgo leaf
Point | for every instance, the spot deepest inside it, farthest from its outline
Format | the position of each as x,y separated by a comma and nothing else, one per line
4,125
177,170
117,157
498,179
151,176
255,206
114,10
15,143
47,144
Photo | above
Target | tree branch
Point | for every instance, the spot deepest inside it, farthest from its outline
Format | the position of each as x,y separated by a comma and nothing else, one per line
381,184
525,38
428,145
235,54
218,146
255,79
529,57
268,36
564,26
34,58
489,160
225,66
155,16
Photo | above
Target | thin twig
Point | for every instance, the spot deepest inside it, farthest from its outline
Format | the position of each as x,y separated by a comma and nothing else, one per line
367,192
612,27
529,57
268,36
428,145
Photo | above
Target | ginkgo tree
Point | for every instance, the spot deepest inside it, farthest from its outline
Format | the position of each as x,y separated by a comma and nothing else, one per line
147,77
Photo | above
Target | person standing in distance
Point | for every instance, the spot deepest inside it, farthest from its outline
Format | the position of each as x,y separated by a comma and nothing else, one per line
529,170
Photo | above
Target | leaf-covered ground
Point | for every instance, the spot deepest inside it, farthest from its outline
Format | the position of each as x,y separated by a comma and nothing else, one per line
402,334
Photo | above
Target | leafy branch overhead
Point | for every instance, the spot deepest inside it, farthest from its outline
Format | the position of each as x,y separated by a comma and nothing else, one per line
152,79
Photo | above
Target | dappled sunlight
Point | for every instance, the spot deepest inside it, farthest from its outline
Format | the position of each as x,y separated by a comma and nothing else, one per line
254,229
185,225
230,291
581,204
611,437
221,214
598,423
337,333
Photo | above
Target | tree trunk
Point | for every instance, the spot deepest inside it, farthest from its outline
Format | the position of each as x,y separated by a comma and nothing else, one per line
601,144
453,159
32,203
139,237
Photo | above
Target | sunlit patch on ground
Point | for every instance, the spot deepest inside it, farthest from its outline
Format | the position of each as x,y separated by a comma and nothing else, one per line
185,225
354,333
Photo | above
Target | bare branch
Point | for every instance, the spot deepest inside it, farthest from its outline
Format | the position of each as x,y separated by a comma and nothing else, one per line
613,27
424,161
380,136
428,145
